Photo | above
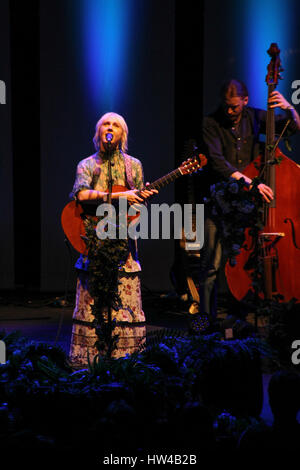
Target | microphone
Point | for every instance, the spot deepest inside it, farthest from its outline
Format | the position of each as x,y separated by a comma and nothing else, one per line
109,137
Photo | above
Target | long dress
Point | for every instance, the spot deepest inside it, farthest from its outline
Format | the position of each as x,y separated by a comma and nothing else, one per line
92,173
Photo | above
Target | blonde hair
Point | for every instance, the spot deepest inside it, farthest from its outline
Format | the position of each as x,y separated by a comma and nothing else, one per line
124,138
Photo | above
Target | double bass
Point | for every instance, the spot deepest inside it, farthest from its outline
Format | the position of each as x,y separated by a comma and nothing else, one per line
278,243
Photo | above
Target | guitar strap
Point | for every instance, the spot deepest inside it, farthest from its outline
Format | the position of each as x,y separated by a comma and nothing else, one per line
128,170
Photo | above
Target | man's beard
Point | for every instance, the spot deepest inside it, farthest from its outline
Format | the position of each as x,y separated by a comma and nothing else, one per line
234,119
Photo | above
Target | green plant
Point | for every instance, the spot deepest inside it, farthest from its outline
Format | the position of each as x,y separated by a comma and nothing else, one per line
235,207
106,257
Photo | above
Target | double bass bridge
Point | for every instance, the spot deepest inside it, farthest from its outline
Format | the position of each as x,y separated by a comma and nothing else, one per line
272,237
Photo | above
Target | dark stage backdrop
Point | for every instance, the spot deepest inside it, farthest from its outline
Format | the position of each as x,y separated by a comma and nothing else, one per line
6,171
54,100
69,114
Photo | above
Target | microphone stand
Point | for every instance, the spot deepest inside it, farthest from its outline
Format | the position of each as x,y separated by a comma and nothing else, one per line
109,308
109,172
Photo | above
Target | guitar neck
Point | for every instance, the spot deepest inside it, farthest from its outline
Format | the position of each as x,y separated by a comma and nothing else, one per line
161,182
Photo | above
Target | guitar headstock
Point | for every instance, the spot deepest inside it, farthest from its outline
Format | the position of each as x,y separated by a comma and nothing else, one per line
274,67
193,164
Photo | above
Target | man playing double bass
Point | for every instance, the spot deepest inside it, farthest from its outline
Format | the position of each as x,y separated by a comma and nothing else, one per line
231,138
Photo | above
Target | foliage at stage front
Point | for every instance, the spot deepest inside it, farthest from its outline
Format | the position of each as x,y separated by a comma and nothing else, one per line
105,259
234,207
41,394
283,327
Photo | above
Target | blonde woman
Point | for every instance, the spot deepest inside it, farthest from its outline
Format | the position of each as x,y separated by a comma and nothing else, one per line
91,184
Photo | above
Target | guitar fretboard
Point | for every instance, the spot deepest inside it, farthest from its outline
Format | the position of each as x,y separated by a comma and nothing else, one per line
164,180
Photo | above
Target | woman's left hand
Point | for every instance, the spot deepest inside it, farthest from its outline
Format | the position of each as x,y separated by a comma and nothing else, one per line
146,193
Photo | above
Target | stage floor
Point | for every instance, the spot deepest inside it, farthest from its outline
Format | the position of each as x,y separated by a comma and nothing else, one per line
41,317
48,317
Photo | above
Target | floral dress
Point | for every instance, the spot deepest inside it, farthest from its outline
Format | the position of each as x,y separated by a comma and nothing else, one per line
92,173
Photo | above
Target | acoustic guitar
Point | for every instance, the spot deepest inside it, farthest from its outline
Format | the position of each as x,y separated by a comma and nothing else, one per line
74,213
186,262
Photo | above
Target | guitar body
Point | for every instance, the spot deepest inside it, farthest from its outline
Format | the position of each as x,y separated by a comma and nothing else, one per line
73,226
72,220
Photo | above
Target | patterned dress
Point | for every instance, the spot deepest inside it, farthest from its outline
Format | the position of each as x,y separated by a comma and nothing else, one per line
92,173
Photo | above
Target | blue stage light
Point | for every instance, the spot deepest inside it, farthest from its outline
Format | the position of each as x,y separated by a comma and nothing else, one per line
106,27
264,22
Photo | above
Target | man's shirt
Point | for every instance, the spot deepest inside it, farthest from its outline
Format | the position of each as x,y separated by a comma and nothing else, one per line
230,147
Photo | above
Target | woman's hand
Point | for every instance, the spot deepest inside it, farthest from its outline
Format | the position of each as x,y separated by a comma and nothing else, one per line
148,192
132,196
